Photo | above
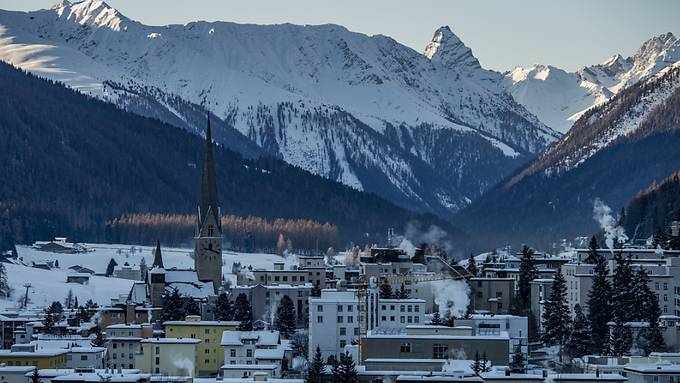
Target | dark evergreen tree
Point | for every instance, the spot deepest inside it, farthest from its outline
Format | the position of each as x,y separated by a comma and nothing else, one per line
472,266
48,322
579,343
651,338
99,340
347,372
386,290
527,273
660,239
599,308
623,299
518,364
191,307
476,366
4,285
436,318
486,366
35,377
243,312
173,307
143,268
284,321
111,266
223,309
402,293
592,251
556,319
317,368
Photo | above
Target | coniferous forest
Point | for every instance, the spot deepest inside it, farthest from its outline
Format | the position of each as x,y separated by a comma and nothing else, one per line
71,165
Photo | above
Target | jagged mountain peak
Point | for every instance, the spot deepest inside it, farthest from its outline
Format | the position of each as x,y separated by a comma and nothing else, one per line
94,13
446,48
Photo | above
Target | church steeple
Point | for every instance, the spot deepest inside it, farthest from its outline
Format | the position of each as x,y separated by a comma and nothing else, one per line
157,256
208,238
209,204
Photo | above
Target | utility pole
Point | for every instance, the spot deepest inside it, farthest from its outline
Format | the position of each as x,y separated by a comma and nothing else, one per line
27,286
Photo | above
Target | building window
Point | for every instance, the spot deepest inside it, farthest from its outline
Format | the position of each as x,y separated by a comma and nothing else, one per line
343,343
416,320
402,319
339,319
339,308
409,308
349,308
158,360
350,319
319,319
405,347
402,308
343,331
319,308
249,353
440,351
416,308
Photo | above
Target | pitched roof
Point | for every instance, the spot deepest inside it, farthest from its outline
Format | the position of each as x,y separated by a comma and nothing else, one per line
158,257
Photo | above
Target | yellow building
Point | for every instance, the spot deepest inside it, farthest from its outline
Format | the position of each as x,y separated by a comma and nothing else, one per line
41,359
210,352
168,356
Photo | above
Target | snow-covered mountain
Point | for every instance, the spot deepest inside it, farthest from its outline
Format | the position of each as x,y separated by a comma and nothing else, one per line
611,153
430,131
559,98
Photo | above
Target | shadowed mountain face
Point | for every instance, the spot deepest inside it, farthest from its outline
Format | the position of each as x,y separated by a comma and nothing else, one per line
428,131
69,163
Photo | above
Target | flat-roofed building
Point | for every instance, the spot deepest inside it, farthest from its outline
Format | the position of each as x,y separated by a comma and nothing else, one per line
210,352
168,356
404,350
123,343
493,295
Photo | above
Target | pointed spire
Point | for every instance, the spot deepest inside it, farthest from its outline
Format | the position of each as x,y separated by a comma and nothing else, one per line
158,257
209,203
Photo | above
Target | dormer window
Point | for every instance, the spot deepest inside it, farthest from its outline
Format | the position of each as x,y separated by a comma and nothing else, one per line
211,230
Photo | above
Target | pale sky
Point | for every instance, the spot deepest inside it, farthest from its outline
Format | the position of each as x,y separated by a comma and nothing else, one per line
501,33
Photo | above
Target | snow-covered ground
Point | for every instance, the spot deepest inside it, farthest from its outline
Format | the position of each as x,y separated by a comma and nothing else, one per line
50,285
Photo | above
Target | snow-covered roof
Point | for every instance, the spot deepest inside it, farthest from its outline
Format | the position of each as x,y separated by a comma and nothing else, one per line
99,377
24,369
498,375
587,377
269,353
249,367
171,340
201,323
650,368
261,338
46,352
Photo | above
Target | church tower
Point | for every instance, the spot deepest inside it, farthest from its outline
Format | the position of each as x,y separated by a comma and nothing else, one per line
208,236
156,278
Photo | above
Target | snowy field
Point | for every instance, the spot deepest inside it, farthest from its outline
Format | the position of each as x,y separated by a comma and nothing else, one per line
50,285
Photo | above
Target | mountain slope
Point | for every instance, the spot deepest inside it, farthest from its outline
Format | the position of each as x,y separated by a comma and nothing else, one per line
559,98
363,110
653,209
69,163
612,152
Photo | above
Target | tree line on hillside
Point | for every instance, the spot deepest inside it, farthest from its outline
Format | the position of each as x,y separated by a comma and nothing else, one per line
70,163
651,212
240,233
